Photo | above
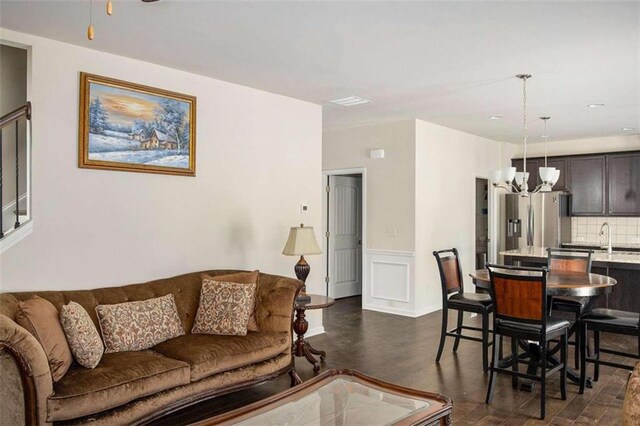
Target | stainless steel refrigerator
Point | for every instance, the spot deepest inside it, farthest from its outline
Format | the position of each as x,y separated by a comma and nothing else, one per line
540,220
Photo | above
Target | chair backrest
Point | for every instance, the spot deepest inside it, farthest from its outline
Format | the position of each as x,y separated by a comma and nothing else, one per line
450,271
518,293
568,259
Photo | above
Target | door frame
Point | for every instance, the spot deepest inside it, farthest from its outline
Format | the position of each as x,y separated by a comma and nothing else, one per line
492,219
325,218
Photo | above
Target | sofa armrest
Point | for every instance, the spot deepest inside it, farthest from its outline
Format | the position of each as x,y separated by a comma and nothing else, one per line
32,367
275,301
631,405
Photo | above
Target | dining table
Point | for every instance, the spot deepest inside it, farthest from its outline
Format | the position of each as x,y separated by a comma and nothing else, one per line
559,283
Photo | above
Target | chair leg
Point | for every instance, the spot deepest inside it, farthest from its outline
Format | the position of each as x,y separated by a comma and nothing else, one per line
514,365
576,354
485,342
543,378
443,331
596,355
492,371
584,340
459,330
563,356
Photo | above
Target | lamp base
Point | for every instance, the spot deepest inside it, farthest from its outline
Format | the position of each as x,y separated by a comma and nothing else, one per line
302,269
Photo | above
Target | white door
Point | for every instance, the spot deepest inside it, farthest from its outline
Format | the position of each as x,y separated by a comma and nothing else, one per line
345,236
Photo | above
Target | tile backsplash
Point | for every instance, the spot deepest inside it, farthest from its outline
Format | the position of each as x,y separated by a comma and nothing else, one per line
624,230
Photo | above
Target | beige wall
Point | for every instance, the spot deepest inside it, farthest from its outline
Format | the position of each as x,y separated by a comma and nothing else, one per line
582,146
447,164
13,94
258,157
390,181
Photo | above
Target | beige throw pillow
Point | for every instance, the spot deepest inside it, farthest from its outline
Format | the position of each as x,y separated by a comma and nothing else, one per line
241,278
82,335
224,308
41,319
135,326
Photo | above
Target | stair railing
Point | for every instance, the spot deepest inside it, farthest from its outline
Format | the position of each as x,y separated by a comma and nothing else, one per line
7,120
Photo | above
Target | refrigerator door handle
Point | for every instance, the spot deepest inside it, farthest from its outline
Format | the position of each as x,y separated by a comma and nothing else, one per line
530,230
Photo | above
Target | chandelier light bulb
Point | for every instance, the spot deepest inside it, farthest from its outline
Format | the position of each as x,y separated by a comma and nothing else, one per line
109,8
90,32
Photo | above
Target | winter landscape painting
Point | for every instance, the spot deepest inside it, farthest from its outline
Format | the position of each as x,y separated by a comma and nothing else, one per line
125,126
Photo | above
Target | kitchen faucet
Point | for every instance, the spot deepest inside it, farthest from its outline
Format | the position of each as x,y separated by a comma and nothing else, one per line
609,248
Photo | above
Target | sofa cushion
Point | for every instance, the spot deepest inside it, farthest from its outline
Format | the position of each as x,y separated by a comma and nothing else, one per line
40,318
119,378
243,278
136,326
224,308
84,340
210,354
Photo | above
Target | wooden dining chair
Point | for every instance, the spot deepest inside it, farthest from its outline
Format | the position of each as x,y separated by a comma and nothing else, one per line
520,311
608,321
574,260
454,297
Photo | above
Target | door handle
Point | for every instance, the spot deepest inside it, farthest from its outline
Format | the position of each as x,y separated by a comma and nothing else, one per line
360,242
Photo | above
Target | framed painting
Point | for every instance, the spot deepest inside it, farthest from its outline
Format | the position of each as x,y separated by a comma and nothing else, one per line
130,127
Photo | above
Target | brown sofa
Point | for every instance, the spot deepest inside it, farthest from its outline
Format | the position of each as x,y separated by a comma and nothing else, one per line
631,406
136,387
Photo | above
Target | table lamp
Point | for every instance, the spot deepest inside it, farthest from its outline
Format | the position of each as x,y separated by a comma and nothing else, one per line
302,241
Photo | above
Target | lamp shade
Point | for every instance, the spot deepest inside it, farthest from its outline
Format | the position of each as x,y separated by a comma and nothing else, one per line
302,240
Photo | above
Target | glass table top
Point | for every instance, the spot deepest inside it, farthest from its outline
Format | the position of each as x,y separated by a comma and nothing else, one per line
340,402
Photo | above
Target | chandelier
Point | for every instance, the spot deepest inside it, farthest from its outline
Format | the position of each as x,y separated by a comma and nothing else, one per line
515,182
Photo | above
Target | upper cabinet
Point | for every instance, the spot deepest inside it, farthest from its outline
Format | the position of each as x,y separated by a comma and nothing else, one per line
600,184
624,184
532,169
588,187
561,164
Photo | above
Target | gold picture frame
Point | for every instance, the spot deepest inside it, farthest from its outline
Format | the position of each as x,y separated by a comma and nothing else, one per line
129,127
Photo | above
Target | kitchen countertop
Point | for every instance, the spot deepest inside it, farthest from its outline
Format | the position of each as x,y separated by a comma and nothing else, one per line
620,246
624,257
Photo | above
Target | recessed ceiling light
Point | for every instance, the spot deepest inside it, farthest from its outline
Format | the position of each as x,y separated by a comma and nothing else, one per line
595,105
496,117
350,101
628,129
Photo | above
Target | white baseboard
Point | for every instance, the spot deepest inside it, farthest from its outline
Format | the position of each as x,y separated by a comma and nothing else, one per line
314,331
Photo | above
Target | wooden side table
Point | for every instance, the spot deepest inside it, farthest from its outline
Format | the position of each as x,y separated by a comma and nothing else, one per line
302,348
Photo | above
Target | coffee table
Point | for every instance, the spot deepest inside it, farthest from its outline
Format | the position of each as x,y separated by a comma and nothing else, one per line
342,398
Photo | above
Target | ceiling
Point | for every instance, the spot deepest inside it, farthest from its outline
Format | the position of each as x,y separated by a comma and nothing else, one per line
451,63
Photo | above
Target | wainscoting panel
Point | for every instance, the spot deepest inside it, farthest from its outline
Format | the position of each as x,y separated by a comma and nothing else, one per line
389,282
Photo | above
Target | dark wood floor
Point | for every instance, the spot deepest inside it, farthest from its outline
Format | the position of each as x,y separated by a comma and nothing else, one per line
402,350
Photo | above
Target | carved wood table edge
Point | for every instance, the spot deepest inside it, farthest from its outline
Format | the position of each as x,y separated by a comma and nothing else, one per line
437,410
301,347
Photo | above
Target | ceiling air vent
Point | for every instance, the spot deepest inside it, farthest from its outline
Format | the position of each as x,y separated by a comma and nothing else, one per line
350,101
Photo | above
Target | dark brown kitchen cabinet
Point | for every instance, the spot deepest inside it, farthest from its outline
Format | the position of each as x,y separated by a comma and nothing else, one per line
587,175
624,184
532,168
561,164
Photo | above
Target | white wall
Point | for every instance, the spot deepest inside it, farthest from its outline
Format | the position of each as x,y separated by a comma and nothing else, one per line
258,158
426,182
582,146
390,181
447,163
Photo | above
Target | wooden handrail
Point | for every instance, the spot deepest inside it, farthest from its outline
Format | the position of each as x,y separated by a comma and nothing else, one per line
23,111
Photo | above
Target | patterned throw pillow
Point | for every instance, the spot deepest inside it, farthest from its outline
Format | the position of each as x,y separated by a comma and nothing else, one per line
224,308
241,278
84,340
135,326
